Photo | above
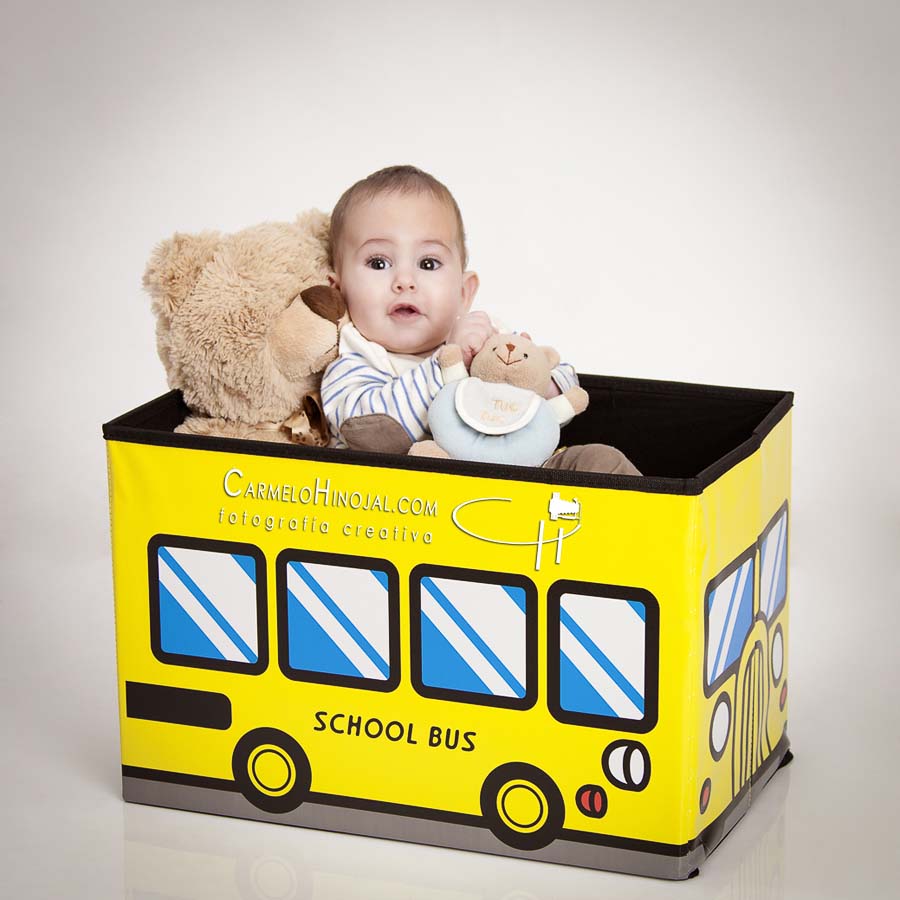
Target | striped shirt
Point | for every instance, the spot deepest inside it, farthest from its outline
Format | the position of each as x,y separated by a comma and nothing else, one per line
367,379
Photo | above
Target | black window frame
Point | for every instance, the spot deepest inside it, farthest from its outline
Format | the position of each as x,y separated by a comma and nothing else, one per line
262,619
651,655
782,511
352,561
477,576
749,554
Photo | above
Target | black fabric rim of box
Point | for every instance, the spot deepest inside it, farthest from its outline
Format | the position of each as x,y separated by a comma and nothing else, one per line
681,436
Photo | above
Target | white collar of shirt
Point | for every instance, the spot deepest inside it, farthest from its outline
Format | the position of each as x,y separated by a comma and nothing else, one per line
374,354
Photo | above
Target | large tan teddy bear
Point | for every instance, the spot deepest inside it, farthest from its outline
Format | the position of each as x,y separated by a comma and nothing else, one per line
245,325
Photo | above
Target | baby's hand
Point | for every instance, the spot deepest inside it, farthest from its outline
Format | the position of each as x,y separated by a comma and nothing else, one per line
470,332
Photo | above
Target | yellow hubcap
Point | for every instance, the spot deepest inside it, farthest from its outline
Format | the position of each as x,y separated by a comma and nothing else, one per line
522,806
271,770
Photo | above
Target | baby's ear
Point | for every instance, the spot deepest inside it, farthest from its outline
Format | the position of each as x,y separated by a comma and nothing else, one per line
552,356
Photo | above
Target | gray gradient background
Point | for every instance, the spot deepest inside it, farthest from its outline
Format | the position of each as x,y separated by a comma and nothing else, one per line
716,181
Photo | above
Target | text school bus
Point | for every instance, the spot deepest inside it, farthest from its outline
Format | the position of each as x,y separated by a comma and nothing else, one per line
575,668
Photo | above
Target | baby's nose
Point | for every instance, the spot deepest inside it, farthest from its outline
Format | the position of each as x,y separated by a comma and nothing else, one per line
404,282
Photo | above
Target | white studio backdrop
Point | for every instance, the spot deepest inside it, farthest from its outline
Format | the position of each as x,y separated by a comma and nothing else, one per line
696,191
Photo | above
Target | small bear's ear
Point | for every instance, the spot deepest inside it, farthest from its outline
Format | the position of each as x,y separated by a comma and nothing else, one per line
174,267
552,356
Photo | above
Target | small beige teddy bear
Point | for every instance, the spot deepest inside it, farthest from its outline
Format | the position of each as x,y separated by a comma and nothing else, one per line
497,411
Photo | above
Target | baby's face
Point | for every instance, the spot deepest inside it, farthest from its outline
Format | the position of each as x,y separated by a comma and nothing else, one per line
400,271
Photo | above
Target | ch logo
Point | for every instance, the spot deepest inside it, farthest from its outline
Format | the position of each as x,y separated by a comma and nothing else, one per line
558,510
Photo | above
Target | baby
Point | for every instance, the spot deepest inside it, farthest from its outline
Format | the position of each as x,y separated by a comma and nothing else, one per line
399,260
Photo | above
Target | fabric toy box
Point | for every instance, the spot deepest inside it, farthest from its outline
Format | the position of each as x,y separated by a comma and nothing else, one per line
576,668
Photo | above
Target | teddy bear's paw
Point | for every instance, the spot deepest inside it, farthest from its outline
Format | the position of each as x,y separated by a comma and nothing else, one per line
579,399
376,433
449,355
229,428
429,449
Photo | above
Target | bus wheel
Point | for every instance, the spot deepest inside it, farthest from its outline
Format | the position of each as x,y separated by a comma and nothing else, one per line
522,806
271,770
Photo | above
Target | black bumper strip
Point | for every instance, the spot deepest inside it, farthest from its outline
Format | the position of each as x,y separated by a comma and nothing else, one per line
178,706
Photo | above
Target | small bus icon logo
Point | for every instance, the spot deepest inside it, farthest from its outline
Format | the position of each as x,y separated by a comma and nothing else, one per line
564,509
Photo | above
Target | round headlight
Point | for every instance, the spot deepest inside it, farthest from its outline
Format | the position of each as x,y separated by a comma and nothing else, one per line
777,654
720,726
627,765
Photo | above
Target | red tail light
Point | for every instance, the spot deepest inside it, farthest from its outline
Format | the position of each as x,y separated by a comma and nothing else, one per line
591,800
705,794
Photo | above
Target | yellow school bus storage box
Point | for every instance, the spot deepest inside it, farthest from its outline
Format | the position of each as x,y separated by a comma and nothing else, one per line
578,668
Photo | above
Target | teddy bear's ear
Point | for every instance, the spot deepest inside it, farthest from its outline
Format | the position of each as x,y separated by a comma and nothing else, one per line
316,223
552,356
324,301
318,226
175,265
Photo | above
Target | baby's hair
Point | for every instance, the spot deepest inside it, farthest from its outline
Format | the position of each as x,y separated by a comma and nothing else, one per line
400,179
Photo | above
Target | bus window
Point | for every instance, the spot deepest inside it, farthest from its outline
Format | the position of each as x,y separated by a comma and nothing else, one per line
473,636
773,565
338,619
728,617
208,604
603,655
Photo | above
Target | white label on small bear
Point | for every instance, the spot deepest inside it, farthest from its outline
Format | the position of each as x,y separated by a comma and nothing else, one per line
495,408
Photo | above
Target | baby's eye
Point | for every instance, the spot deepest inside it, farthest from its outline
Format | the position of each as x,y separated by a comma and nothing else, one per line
429,264
377,262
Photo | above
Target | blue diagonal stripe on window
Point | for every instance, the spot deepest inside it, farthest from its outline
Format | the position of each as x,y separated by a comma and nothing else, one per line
639,608
444,667
517,595
207,604
777,563
179,633
358,637
605,663
781,586
577,694
381,577
247,563
721,640
311,648
496,663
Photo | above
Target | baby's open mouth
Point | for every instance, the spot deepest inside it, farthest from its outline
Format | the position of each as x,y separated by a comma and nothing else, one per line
404,311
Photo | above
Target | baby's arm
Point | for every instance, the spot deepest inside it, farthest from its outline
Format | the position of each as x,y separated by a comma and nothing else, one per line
351,387
563,377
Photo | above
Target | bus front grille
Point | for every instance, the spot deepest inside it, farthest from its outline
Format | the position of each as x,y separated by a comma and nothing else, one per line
753,696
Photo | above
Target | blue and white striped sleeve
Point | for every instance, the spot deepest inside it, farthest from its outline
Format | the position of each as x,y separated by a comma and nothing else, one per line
564,376
351,386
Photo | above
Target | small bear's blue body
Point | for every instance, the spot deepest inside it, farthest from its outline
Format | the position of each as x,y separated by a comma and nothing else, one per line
530,445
